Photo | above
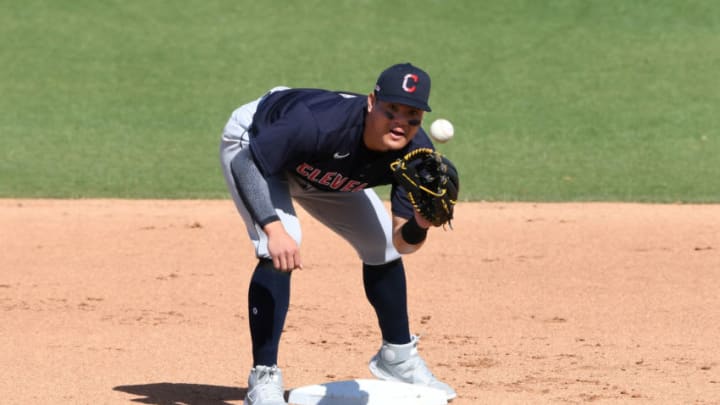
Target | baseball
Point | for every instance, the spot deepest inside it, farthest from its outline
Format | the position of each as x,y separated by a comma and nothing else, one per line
441,130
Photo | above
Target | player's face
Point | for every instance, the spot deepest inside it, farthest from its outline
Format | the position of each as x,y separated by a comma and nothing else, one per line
390,126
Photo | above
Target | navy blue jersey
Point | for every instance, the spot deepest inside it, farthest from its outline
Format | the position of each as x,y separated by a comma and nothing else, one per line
318,136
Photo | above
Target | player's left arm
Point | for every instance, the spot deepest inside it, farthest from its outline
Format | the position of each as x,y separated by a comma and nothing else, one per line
425,184
409,235
409,227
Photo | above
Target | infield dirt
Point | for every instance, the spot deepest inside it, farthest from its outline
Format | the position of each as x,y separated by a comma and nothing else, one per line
120,302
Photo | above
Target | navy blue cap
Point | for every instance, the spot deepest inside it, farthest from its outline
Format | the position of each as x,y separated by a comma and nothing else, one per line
404,84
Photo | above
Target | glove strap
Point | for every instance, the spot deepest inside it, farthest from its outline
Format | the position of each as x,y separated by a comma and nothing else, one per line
412,232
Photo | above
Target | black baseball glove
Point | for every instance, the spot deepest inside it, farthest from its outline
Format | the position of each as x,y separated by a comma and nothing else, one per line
431,182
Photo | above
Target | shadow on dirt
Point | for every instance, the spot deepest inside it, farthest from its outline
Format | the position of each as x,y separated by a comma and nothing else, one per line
184,394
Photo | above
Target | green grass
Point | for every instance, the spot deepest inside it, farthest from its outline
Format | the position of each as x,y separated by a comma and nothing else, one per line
563,100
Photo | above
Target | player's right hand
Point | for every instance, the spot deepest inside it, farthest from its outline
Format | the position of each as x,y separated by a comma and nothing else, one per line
283,249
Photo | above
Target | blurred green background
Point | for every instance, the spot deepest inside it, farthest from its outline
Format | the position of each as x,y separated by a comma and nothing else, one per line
557,100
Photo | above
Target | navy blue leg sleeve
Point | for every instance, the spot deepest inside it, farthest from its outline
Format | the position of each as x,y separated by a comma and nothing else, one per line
386,289
268,301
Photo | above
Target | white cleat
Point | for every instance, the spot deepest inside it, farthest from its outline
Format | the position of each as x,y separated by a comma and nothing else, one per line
403,363
265,387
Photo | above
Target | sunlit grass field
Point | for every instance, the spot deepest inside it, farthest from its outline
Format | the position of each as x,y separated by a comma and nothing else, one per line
551,100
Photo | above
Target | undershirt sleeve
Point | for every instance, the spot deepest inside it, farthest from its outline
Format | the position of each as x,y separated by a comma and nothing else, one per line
253,188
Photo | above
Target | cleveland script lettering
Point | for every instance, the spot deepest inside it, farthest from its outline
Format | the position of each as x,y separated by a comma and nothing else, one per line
332,180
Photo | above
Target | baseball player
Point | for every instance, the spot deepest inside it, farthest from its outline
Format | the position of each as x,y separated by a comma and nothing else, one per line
325,150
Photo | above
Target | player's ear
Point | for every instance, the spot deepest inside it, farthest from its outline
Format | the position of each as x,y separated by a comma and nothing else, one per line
371,102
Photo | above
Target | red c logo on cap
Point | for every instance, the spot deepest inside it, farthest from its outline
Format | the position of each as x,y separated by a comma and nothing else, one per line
409,86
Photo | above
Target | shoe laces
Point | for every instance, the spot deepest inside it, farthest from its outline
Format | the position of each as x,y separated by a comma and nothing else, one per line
267,386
